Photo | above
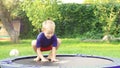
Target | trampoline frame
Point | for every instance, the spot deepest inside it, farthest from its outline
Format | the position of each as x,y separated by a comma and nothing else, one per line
9,62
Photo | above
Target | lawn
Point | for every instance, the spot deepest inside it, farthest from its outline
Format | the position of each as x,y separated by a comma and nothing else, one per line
68,46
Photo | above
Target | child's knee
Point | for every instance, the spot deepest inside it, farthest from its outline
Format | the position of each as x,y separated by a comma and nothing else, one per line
33,43
59,41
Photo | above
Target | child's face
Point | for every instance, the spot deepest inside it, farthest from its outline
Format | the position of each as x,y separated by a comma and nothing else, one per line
48,33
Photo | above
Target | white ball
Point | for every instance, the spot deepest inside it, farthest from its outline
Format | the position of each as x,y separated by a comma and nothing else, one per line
14,52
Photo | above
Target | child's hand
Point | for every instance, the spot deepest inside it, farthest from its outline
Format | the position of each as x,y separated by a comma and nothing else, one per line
44,60
54,60
37,59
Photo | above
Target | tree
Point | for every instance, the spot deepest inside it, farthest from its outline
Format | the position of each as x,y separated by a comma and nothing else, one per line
106,14
40,10
5,16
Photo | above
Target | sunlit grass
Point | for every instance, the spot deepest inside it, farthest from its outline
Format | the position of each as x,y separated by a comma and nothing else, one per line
68,46
97,48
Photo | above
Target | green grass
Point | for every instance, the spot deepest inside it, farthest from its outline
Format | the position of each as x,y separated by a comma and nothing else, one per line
68,46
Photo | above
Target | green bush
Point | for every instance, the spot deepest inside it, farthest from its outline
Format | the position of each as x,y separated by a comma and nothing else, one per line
82,20
78,20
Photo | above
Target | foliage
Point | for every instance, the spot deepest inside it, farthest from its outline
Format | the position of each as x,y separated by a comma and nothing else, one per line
106,14
40,10
77,20
26,30
90,21
13,7
67,19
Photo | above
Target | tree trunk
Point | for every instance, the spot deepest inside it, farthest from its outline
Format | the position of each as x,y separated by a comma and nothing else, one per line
6,21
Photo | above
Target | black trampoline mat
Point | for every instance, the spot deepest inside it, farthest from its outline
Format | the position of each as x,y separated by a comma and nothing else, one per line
67,61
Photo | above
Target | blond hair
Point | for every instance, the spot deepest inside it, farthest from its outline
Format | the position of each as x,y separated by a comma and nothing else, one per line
48,24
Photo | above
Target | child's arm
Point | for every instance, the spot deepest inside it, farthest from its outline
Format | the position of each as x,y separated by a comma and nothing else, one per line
39,53
54,54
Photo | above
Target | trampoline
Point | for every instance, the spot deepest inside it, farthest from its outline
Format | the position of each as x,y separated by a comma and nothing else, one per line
66,61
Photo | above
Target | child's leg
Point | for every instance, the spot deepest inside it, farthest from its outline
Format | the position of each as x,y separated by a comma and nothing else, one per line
33,43
58,43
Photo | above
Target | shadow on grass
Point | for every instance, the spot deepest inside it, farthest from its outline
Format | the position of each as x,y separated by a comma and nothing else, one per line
4,43
115,42
97,41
